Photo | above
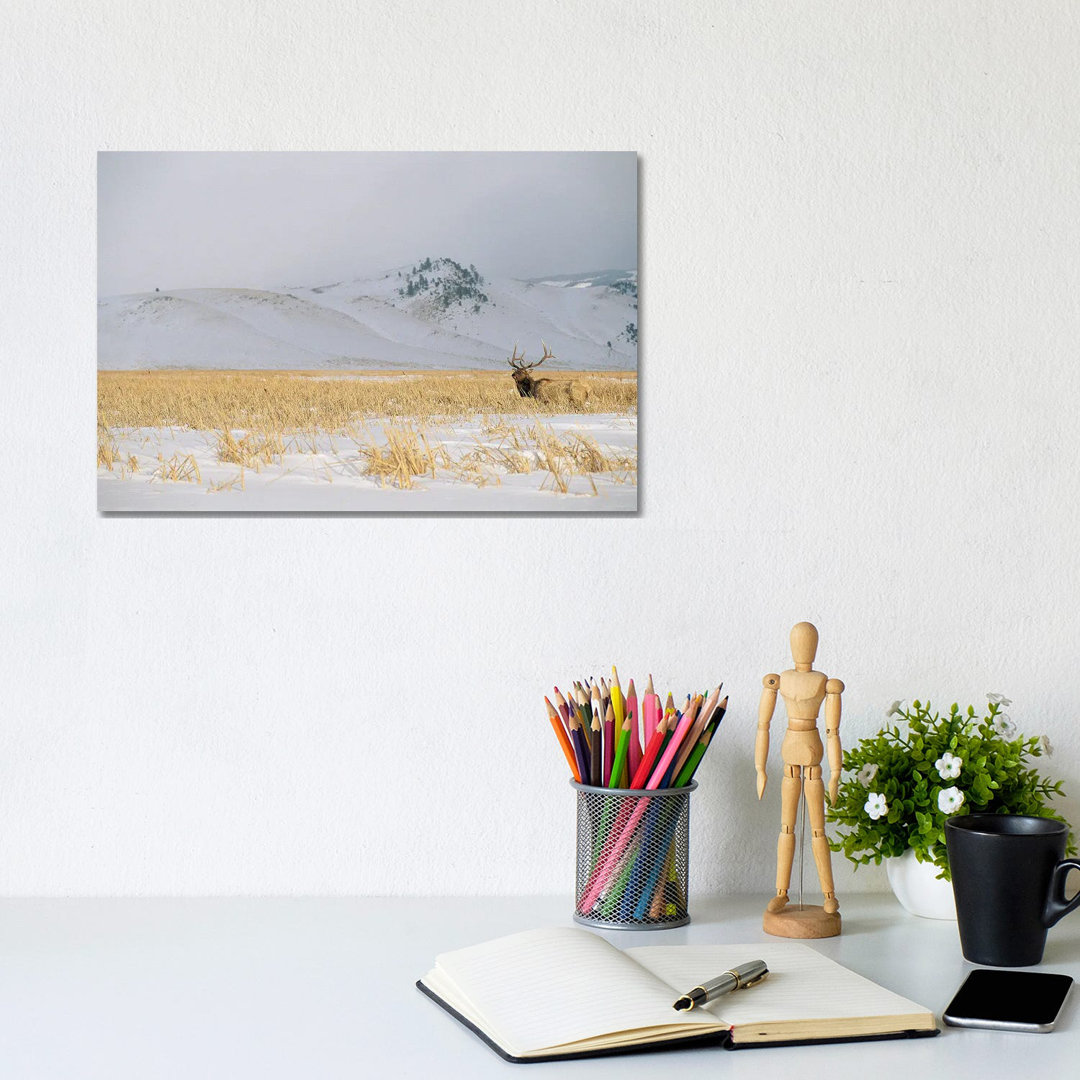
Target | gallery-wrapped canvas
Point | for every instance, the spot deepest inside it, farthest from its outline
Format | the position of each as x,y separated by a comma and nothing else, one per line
367,332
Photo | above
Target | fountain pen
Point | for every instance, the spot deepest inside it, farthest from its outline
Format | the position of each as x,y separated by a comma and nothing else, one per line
738,978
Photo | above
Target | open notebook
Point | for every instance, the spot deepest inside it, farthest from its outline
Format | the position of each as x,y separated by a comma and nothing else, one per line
562,992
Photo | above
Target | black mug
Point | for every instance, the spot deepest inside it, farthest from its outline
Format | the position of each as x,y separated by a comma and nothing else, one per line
1008,877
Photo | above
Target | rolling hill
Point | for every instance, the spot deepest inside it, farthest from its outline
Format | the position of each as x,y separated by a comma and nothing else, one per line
435,314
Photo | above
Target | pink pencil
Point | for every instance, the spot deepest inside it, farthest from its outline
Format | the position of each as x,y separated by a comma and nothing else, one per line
603,875
703,715
635,730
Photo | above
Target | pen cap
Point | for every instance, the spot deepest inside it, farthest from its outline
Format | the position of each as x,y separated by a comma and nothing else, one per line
633,857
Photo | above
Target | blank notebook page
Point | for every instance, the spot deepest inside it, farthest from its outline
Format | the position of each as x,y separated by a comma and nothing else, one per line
802,984
577,986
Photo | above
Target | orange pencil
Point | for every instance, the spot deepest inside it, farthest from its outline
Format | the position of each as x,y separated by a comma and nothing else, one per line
564,740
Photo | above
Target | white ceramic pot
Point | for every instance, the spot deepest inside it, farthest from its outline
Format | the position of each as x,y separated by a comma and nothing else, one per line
917,886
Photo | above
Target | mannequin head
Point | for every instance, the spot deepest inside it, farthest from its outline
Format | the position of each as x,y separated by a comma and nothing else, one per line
804,640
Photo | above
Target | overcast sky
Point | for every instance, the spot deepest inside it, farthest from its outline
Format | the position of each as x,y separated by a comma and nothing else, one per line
190,220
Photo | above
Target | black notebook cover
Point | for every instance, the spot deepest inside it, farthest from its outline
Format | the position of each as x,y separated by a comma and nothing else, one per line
717,1038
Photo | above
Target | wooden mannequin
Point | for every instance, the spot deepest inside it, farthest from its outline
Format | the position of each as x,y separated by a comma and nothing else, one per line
803,691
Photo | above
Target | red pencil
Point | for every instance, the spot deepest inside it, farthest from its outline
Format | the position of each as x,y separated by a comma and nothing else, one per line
648,758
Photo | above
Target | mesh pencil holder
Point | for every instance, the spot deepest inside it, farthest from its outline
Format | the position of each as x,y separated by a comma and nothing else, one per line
633,857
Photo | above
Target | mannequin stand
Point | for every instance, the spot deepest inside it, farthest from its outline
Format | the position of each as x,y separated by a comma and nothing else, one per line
802,921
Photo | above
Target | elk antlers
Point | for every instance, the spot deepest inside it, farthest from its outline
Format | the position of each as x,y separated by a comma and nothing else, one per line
518,362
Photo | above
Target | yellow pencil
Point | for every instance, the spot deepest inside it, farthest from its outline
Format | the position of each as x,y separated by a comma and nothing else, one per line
617,704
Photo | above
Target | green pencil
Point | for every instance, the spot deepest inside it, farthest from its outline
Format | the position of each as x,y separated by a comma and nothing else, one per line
622,749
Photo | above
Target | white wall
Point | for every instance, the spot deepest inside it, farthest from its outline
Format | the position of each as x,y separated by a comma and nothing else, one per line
859,390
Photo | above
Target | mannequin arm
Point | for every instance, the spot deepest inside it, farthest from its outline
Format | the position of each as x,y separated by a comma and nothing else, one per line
833,689
761,744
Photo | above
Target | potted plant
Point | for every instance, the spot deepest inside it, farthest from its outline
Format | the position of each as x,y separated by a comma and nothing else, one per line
898,788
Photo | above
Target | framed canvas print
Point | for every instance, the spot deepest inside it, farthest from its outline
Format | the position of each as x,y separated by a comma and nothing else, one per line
367,331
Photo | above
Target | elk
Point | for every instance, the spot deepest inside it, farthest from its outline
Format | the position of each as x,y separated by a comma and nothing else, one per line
550,391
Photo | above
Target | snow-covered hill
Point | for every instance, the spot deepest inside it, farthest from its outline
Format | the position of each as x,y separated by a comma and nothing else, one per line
434,315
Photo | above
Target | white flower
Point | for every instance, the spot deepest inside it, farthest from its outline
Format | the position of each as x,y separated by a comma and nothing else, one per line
876,806
1047,748
1003,725
998,699
895,709
950,800
948,766
866,774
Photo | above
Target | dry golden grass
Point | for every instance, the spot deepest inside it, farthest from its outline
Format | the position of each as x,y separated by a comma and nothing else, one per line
180,468
509,449
282,402
250,451
108,451
257,417
406,453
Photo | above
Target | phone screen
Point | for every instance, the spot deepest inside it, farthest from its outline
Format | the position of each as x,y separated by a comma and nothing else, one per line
1016,1000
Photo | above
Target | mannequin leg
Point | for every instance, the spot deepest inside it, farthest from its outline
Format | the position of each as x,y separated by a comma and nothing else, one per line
790,790
815,805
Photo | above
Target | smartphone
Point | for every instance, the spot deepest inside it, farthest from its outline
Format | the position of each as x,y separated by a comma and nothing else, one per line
1013,1000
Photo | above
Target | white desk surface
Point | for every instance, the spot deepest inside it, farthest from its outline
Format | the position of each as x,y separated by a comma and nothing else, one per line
324,988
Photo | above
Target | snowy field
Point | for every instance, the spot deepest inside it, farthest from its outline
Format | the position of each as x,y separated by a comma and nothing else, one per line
526,464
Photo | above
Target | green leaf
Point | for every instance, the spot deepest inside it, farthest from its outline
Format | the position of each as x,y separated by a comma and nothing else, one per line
994,778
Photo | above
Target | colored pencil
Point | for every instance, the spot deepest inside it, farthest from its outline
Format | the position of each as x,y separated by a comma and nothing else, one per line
694,760
581,747
564,740
686,773
691,711
583,703
659,867
617,703
596,756
622,750
564,709
583,727
670,751
585,715
609,743
634,758
648,759
703,715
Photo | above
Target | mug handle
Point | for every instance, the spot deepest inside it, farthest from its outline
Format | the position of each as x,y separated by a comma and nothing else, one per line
1056,904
